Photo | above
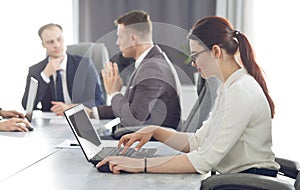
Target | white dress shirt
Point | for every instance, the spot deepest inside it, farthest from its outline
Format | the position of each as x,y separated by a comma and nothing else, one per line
63,77
237,135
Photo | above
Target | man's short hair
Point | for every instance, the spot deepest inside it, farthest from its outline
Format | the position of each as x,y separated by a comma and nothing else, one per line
50,25
137,19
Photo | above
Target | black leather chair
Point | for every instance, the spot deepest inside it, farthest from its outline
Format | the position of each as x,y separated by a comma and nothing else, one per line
97,52
243,181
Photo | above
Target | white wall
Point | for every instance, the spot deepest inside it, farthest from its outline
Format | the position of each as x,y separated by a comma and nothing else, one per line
20,44
277,46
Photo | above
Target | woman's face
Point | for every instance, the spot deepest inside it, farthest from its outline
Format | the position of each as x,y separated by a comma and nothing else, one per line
202,59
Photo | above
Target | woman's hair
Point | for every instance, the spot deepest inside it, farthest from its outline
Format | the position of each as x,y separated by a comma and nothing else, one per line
218,31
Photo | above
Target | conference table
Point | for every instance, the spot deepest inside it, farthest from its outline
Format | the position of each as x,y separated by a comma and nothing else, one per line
45,159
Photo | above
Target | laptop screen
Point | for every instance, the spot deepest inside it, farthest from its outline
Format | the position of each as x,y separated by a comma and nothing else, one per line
33,86
83,127
84,131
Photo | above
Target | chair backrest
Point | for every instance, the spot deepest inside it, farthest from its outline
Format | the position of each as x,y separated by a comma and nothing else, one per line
96,52
206,97
297,182
289,168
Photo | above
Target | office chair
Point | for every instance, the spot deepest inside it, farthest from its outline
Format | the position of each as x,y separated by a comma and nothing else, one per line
290,169
239,181
198,114
97,52
207,93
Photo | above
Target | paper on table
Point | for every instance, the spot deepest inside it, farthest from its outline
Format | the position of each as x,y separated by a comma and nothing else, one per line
64,121
68,144
61,120
50,115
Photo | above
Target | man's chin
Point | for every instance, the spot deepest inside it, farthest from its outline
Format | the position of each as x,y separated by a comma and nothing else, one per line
125,55
57,55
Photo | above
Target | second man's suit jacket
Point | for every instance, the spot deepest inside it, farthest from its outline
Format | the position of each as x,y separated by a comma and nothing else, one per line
82,80
151,95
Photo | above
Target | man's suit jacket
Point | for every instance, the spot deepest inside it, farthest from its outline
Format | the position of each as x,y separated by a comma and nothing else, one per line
151,95
82,81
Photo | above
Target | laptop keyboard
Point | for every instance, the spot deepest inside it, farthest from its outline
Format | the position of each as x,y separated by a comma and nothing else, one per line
114,151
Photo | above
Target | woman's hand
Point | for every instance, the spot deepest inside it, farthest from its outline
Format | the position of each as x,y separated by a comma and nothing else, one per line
14,124
11,113
122,163
143,136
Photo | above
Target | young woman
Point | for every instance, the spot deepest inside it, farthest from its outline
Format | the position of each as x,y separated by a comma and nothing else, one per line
237,136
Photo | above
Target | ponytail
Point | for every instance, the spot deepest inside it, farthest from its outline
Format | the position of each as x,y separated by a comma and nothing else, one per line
217,30
247,57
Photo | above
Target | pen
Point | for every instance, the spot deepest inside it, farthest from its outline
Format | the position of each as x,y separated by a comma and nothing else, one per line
74,144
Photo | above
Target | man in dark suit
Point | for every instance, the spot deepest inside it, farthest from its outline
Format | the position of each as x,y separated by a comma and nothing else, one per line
152,95
64,79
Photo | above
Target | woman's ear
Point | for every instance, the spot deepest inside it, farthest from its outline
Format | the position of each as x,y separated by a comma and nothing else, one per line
216,51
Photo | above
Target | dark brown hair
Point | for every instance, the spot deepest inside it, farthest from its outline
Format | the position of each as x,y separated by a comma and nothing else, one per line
218,31
139,20
50,25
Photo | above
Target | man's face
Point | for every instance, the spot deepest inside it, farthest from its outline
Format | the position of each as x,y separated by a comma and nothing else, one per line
124,41
53,41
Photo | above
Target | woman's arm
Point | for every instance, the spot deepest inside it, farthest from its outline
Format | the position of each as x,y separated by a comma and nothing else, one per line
174,139
171,164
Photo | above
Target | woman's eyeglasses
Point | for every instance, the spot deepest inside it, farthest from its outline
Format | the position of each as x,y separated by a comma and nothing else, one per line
194,56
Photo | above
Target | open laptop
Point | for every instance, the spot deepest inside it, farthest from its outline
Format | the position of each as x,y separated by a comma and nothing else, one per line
33,87
90,142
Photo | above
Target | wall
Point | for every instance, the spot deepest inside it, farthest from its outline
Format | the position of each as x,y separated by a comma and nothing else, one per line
20,44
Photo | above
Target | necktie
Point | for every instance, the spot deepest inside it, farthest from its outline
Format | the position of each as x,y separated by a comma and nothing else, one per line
59,89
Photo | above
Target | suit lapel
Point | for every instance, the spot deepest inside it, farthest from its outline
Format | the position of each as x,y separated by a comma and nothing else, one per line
71,71
130,85
155,50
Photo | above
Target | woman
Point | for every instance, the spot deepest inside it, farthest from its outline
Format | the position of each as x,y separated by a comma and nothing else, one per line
237,135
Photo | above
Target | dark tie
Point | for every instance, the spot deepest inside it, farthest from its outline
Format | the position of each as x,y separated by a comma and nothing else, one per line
59,89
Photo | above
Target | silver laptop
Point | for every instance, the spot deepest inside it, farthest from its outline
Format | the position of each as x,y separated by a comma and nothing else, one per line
33,87
90,142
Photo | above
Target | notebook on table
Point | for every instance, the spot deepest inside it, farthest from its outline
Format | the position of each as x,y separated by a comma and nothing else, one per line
89,141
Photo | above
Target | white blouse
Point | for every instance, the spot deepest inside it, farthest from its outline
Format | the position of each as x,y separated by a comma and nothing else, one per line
237,135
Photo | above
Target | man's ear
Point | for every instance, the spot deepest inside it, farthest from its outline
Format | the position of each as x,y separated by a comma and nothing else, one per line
134,39
216,51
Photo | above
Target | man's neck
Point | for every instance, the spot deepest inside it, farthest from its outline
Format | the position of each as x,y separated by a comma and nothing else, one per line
141,48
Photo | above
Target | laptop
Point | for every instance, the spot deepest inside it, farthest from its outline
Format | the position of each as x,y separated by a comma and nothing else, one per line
33,87
90,142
